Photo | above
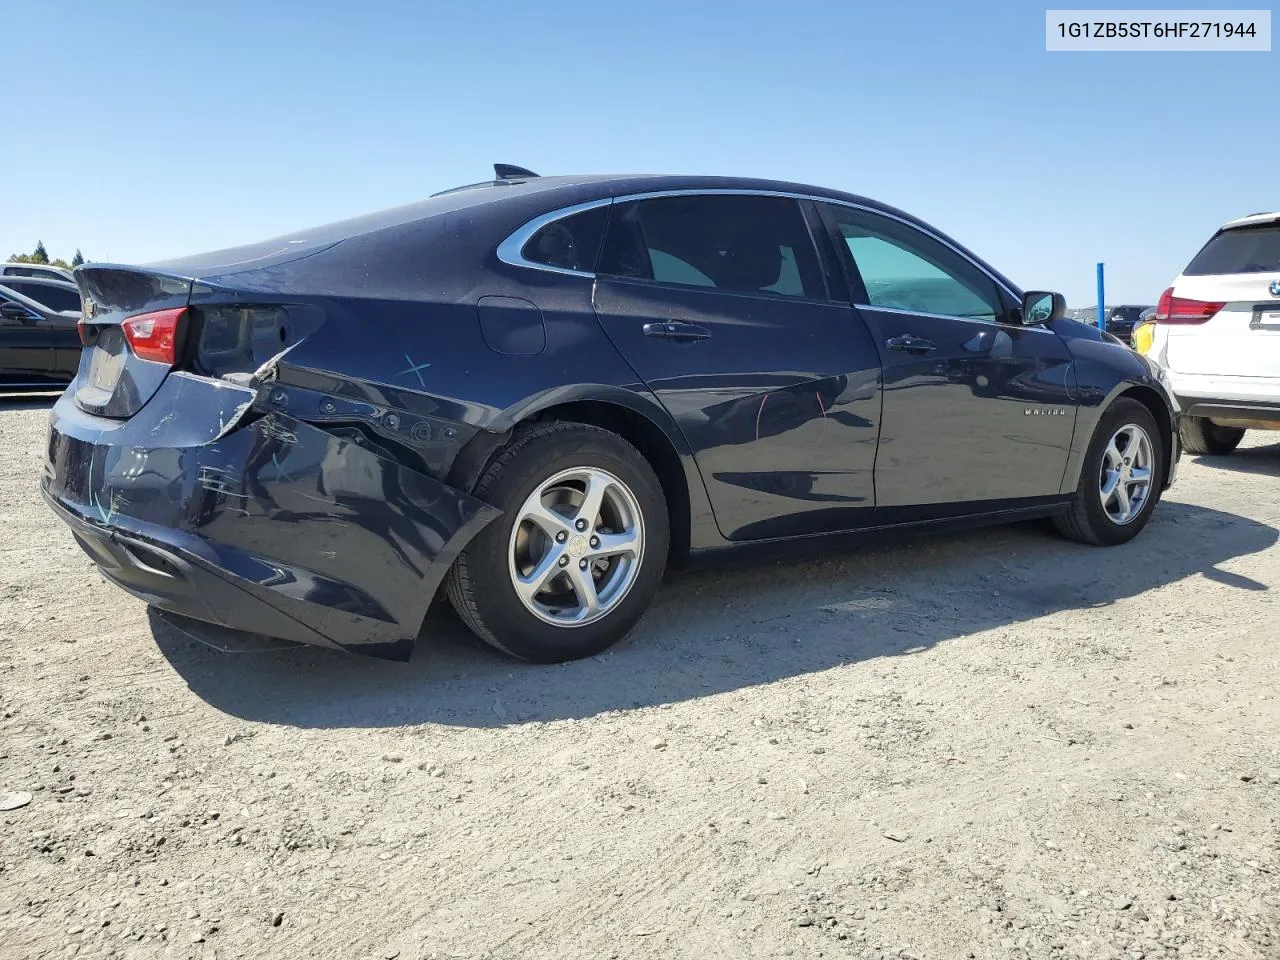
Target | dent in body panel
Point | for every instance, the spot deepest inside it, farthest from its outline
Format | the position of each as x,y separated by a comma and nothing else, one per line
780,405
346,543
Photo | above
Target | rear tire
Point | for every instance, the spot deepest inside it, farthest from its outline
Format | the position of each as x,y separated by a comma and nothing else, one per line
579,550
1125,451
1201,435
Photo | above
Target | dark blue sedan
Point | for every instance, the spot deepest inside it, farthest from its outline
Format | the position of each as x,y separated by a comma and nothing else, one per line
541,392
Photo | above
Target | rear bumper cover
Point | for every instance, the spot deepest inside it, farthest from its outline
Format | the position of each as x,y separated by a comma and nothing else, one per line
275,527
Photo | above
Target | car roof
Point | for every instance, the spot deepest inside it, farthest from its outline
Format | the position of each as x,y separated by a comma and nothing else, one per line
540,195
43,281
1252,220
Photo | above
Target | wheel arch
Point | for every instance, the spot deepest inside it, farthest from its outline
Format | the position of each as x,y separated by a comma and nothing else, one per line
1163,416
1151,397
642,423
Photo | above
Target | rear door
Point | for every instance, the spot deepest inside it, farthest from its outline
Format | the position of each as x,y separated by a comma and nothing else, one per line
976,410
719,302
1238,271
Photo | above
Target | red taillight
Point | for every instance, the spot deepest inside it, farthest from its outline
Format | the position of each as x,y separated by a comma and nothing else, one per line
83,331
153,335
1173,309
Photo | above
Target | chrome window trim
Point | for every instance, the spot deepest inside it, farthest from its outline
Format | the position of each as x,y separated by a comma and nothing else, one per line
948,316
510,251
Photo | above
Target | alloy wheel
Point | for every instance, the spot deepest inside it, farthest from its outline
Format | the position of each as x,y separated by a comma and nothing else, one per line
576,546
1124,484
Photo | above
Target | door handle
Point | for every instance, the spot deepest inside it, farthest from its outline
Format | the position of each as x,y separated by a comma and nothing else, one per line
680,330
910,344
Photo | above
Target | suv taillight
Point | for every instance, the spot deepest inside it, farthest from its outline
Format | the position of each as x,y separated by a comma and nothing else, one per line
1173,309
153,336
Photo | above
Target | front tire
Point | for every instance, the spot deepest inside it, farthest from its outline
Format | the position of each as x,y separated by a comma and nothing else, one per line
578,553
1201,435
1121,480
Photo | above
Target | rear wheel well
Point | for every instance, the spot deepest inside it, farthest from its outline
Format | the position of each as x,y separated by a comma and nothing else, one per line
637,429
1160,413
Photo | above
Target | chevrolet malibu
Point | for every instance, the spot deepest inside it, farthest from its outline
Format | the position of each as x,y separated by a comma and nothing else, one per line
538,393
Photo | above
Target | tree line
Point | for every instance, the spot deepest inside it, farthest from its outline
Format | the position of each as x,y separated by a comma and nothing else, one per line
41,255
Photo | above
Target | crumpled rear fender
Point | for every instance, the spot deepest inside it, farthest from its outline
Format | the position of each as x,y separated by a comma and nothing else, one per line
346,543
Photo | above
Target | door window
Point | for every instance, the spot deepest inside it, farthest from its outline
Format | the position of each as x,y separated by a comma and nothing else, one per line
55,297
903,268
735,243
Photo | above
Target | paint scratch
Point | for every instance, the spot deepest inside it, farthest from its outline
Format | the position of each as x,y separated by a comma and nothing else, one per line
226,426
272,428
758,412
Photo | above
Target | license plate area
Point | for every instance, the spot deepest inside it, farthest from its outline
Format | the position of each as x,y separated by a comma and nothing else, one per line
1266,316
107,360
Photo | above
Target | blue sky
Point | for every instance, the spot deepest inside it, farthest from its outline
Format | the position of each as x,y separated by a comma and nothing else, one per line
149,130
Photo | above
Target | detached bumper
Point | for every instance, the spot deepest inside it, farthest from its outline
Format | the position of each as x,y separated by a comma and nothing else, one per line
277,527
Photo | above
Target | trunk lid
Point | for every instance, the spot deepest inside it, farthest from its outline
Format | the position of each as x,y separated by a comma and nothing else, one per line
112,380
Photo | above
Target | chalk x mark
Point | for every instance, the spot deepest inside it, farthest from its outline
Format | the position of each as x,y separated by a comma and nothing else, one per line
414,368
280,469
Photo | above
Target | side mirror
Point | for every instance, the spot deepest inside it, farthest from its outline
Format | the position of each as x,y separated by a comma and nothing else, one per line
14,311
1041,306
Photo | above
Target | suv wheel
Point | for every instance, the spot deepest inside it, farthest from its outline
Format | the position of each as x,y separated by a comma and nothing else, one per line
1202,435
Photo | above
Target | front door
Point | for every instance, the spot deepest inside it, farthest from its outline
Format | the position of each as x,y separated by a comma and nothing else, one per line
719,303
977,408
26,344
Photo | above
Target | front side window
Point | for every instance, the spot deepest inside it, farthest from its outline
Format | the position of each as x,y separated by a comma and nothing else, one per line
903,268
735,243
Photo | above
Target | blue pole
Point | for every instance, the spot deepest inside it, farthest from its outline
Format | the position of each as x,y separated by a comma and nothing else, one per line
1102,317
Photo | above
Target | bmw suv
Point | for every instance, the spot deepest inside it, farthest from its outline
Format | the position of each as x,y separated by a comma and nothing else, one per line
1217,336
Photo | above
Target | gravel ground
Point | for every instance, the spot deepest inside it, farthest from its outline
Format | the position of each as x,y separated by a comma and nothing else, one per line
996,744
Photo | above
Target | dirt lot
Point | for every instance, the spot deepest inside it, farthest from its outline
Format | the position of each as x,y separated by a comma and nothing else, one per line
997,744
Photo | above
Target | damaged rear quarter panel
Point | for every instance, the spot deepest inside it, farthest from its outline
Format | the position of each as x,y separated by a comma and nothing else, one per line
345,542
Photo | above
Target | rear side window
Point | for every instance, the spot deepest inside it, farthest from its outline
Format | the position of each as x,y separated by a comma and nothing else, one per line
55,298
903,268
570,243
1243,250
740,244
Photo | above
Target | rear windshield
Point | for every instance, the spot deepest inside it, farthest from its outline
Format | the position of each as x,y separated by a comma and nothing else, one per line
1243,250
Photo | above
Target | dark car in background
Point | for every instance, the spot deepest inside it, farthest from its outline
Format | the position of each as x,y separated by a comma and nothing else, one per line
1121,320
39,343
539,393
59,295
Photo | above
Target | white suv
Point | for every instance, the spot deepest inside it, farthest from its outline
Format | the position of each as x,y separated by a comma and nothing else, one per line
1217,336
